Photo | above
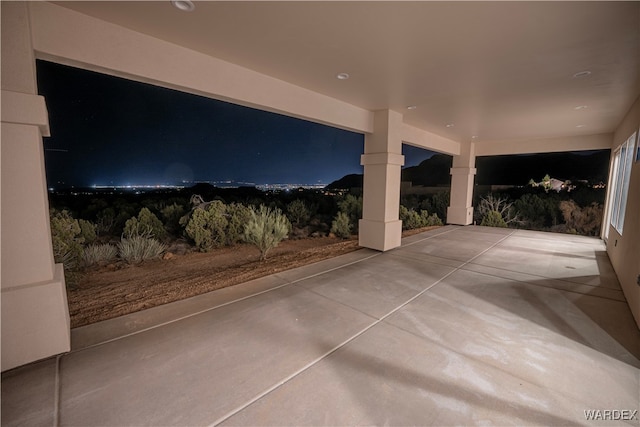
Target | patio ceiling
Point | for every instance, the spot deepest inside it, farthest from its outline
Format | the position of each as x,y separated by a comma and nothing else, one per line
496,70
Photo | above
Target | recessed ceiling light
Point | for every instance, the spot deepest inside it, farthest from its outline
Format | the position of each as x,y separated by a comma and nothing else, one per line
579,126
342,76
411,107
449,125
580,107
474,137
584,73
184,5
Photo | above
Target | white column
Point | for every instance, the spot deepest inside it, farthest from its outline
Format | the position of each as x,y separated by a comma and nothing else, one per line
380,227
460,209
35,315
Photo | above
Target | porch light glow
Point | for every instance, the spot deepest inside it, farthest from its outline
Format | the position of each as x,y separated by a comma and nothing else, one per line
184,5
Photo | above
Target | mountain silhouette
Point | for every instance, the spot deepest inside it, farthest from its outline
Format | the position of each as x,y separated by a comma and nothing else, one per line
354,180
510,169
519,169
431,172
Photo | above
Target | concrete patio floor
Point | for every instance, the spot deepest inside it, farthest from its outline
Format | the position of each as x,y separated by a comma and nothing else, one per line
459,326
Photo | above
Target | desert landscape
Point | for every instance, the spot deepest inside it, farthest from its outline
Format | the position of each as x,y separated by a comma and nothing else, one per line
120,288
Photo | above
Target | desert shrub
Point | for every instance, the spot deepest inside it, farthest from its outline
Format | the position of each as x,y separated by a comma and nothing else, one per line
147,223
493,219
237,217
412,219
123,211
436,203
298,213
585,221
538,211
532,210
136,249
498,204
266,228
99,254
341,226
66,238
352,207
171,215
94,207
430,220
105,221
87,231
584,195
207,227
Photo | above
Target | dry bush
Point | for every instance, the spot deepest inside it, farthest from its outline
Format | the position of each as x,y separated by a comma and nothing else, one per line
412,219
66,237
266,228
493,219
207,227
147,223
501,205
341,226
585,221
136,249
99,254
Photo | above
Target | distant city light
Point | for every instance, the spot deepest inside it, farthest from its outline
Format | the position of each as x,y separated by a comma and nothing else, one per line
220,184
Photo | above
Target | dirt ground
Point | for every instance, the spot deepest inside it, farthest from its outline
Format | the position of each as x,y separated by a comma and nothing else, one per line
120,289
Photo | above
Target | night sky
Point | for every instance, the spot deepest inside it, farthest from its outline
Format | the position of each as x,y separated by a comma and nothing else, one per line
111,131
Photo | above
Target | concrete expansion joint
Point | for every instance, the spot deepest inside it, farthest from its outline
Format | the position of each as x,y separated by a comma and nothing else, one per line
452,227
353,337
56,393
215,307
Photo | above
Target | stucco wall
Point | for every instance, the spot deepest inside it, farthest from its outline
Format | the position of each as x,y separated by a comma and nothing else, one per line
624,250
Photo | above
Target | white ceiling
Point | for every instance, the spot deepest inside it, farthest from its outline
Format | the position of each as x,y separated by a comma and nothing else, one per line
498,70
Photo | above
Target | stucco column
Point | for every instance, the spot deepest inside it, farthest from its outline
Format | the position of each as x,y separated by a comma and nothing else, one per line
460,209
380,227
35,315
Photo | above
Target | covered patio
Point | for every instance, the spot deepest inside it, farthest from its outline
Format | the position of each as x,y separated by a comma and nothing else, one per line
457,326
466,79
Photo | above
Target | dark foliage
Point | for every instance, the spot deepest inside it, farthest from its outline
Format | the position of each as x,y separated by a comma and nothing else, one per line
519,169
511,170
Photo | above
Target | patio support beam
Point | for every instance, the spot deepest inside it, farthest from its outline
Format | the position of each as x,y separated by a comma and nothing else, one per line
71,38
429,141
460,209
545,145
35,315
380,227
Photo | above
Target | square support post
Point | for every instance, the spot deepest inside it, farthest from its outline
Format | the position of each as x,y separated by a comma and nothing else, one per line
460,210
380,227
35,314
